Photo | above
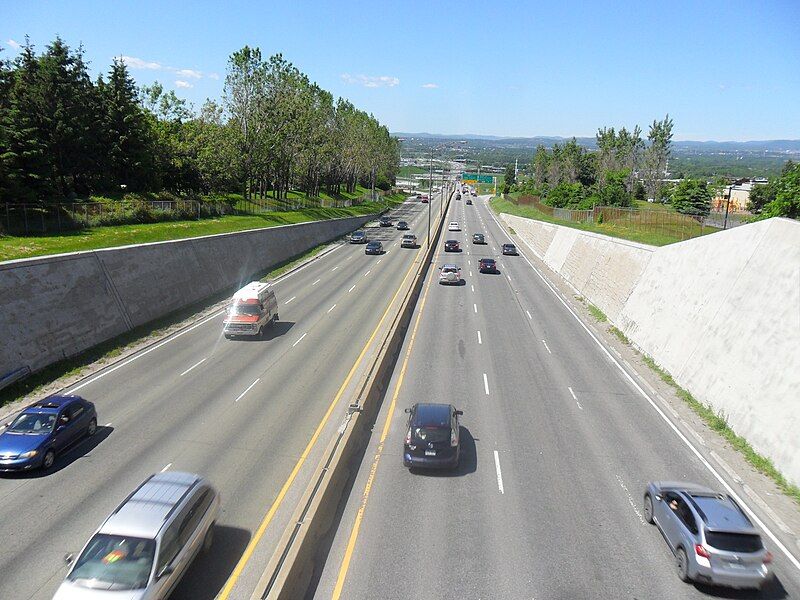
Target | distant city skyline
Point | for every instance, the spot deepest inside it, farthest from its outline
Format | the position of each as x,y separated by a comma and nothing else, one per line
724,71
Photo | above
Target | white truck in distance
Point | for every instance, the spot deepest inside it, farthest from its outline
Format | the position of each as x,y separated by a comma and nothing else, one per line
251,309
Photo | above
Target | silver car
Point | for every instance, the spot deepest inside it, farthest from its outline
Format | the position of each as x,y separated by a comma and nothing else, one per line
712,539
145,547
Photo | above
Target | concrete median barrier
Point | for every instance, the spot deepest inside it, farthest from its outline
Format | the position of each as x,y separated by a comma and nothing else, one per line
302,549
55,307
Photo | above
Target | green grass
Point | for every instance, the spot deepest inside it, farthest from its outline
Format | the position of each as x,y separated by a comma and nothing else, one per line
411,170
112,348
613,229
13,247
620,336
598,314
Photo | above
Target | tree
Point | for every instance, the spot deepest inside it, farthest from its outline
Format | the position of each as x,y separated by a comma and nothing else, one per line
656,156
509,178
614,193
760,196
692,197
539,166
787,194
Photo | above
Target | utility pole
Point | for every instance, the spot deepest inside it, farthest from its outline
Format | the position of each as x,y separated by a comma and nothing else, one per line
430,197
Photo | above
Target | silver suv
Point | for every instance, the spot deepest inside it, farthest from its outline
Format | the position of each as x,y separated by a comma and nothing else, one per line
145,547
712,539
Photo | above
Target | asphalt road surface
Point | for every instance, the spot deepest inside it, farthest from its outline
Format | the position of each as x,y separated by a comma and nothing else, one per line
239,412
557,447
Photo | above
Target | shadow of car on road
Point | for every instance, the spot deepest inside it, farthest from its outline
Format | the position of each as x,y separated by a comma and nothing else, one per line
275,330
772,591
65,458
467,463
210,570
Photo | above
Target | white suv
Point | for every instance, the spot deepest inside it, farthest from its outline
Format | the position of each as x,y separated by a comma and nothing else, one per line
453,226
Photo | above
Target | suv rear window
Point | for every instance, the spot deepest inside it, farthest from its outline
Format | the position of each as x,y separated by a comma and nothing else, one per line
431,434
734,542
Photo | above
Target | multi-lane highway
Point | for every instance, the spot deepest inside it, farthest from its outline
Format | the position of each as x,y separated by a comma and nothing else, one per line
241,413
557,447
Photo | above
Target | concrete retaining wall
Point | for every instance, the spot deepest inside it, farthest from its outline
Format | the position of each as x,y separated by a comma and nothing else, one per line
54,307
721,313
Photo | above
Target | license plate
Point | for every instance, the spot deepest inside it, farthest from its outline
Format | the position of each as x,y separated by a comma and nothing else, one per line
430,452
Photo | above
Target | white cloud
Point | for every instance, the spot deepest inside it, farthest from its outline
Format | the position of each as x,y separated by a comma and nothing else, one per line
183,84
138,63
14,45
430,86
191,74
371,81
213,76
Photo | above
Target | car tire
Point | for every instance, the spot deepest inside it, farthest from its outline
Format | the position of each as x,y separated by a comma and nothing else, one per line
227,336
648,509
209,539
92,428
277,318
682,564
48,460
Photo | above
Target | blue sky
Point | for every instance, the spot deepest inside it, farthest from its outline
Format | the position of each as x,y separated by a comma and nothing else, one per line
724,70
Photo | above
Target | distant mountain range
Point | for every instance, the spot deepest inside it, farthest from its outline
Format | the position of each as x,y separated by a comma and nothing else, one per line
789,146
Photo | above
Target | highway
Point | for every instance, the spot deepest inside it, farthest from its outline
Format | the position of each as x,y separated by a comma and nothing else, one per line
557,447
240,412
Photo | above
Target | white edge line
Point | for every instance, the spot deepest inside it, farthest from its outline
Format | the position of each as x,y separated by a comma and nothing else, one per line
249,387
661,413
499,472
197,364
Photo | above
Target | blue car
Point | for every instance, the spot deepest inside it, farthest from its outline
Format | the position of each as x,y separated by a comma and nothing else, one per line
45,429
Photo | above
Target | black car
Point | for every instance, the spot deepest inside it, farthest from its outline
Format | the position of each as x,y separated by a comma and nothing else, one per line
469,201
510,249
385,222
358,237
487,265
373,248
458,196
452,246
402,226
432,436
477,238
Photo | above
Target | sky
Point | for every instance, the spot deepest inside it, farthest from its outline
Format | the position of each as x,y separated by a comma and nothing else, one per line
723,70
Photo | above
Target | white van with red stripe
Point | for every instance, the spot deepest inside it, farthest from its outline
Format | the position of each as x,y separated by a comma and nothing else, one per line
251,309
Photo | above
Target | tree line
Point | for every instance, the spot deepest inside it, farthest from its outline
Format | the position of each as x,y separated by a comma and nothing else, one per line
64,135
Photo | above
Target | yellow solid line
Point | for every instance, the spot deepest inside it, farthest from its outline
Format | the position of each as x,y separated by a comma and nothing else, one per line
351,543
225,593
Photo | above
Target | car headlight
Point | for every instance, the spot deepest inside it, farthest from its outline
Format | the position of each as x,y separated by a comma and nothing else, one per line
29,454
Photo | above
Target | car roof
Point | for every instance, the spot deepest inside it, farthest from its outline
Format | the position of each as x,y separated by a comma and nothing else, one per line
683,486
144,512
487,260
409,235
52,403
720,512
508,244
449,266
373,243
432,414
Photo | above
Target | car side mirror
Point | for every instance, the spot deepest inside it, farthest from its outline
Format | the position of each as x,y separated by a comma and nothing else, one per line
459,413
69,558
60,427
166,570
658,498
407,411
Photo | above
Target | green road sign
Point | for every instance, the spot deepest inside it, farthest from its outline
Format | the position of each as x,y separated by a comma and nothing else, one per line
475,178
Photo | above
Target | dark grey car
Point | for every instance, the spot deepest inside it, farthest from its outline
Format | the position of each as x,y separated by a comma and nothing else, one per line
712,539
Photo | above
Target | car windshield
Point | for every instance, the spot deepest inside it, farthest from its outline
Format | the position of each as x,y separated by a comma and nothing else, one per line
244,309
734,542
358,234
432,434
33,423
113,562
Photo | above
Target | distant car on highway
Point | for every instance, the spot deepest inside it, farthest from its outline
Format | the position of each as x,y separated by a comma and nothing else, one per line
373,248
145,547
450,275
469,201
45,429
458,196
477,238
452,246
385,222
432,436
425,200
712,539
474,193
487,265
510,249
409,241
402,226
453,226
358,237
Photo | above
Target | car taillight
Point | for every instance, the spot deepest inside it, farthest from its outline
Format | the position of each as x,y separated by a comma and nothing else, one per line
453,439
768,558
700,550
408,437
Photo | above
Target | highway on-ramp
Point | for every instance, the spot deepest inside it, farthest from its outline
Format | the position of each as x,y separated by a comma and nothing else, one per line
240,412
557,447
